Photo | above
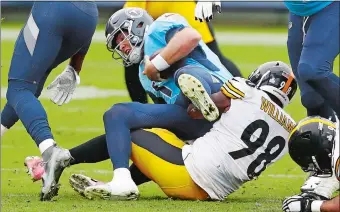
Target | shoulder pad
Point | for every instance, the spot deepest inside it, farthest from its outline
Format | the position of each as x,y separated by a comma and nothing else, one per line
237,88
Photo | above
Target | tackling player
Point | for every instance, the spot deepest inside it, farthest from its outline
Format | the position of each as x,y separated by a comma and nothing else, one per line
185,9
313,44
250,135
53,33
314,145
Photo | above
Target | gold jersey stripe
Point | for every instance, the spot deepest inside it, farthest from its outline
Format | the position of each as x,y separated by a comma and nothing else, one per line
233,88
225,92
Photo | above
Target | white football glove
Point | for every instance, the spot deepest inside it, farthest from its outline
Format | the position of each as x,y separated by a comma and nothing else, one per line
301,202
204,10
64,85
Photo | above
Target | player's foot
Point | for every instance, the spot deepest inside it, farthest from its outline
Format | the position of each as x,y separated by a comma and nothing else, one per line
194,90
80,182
310,184
35,167
114,190
55,160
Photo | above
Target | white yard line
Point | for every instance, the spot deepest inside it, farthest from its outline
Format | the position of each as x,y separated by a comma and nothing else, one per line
227,38
82,93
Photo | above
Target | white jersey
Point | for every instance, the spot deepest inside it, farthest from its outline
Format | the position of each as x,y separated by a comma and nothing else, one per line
250,136
336,154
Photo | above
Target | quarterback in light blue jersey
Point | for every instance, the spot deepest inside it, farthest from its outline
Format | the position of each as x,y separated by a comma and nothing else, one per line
158,36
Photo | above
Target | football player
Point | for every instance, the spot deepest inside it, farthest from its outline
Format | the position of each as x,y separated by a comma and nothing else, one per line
53,33
313,33
132,33
314,145
250,135
185,9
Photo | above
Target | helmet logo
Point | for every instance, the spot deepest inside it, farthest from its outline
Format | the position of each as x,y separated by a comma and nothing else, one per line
272,80
134,12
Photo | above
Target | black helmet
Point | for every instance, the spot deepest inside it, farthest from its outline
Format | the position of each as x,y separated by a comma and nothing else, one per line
276,78
133,22
311,144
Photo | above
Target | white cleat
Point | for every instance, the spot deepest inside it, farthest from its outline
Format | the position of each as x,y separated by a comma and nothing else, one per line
194,90
310,184
80,182
122,190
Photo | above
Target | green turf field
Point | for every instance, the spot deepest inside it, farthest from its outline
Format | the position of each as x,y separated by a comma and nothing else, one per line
81,120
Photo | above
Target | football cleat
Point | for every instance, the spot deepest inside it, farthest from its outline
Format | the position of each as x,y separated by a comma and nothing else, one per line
55,160
123,190
35,167
80,182
194,90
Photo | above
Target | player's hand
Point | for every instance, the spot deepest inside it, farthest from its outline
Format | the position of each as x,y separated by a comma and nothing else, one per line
150,70
64,86
297,203
204,10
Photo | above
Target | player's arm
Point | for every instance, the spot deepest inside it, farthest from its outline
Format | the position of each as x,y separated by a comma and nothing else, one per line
182,43
76,61
66,83
332,205
308,202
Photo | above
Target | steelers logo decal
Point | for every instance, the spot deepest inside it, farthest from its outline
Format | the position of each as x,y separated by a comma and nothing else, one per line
134,12
336,169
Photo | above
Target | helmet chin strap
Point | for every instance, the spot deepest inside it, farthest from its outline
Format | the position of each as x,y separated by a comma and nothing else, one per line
136,54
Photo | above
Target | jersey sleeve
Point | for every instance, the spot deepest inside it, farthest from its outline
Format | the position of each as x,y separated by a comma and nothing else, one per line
162,30
237,88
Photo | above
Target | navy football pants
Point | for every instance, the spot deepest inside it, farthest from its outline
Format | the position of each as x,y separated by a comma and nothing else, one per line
53,33
123,117
313,44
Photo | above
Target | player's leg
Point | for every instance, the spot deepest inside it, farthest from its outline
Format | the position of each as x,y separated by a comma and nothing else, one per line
197,85
157,153
122,118
316,105
134,87
320,47
30,64
9,116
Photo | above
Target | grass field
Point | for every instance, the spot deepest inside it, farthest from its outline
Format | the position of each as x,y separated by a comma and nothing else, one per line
81,120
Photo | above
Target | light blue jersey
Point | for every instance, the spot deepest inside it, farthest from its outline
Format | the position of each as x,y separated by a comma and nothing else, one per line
306,7
158,35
